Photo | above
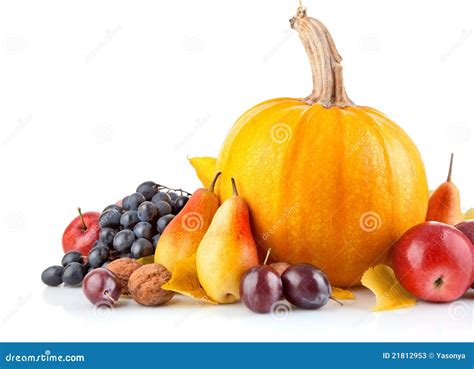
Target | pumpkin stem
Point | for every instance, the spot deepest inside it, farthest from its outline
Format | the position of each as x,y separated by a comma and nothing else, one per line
328,83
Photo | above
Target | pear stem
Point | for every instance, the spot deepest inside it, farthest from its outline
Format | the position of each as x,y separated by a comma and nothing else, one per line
267,256
450,167
214,181
234,187
84,226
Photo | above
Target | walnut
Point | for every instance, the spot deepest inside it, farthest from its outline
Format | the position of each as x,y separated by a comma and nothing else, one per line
123,269
145,285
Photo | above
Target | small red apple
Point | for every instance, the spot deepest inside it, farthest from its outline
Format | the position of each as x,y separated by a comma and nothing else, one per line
467,227
82,232
433,261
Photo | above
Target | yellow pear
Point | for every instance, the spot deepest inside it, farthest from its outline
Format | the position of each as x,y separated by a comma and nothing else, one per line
227,251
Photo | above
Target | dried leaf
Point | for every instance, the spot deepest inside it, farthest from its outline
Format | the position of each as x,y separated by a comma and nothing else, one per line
342,294
469,214
147,260
184,280
205,169
390,294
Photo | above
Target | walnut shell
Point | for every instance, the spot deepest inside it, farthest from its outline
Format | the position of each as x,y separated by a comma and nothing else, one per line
123,269
145,285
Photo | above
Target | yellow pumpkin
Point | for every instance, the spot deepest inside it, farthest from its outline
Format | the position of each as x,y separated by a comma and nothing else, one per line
328,183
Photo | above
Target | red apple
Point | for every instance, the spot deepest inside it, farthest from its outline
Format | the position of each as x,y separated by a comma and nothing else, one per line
82,233
433,261
467,228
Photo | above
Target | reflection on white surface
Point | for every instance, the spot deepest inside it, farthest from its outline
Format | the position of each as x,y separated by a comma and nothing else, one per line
63,314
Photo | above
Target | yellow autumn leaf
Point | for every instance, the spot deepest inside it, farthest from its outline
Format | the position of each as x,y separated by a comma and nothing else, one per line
342,294
469,214
388,291
184,280
205,169
147,260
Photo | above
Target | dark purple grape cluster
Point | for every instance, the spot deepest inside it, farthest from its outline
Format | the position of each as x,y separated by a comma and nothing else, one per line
129,230
132,229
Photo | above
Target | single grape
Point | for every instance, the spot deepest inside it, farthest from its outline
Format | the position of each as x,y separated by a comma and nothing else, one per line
261,288
161,196
143,230
129,219
102,287
106,236
155,239
99,243
135,199
97,256
164,208
123,241
72,257
141,248
147,212
125,203
148,189
73,274
113,207
52,276
163,222
110,219
306,286
180,203
173,195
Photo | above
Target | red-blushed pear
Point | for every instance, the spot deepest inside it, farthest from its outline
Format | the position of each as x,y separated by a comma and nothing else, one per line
445,203
433,261
227,251
81,234
182,236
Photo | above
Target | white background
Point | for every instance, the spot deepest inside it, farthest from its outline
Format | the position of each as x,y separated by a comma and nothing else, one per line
97,97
